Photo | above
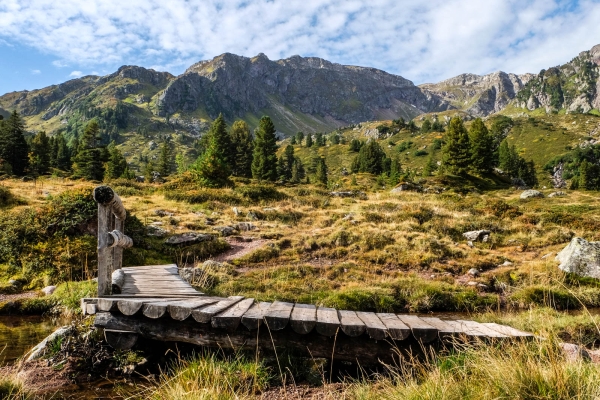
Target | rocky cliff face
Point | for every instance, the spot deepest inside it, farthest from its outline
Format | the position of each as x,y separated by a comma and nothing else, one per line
297,88
574,86
479,95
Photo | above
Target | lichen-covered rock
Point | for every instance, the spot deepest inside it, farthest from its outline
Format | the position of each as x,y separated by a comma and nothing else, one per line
475,236
40,349
48,290
557,194
581,257
189,238
529,194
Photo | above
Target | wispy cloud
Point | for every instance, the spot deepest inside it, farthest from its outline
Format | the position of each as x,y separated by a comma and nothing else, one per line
35,72
423,41
76,74
59,64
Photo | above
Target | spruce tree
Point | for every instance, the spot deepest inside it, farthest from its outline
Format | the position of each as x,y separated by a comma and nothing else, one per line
211,168
293,140
482,147
165,160
299,137
395,172
309,140
14,150
298,172
39,158
508,159
117,165
426,126
264,160
371,158
321,171
88,161
456,156
242,145
63,153
430,166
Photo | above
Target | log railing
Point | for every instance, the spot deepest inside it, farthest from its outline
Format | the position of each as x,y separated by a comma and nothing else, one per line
111,237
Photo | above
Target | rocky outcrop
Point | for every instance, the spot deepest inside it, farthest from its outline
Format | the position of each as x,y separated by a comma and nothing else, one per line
479,95
581,257
530,194
482,235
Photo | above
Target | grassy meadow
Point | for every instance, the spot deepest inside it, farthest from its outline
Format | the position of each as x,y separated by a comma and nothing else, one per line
377,251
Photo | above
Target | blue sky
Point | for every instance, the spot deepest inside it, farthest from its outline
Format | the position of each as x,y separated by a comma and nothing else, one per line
43,42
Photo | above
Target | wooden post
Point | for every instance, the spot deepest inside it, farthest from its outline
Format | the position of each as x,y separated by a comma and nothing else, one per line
111,225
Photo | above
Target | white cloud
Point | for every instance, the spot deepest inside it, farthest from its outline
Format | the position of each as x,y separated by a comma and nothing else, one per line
35,72
59,64
423,41
75,74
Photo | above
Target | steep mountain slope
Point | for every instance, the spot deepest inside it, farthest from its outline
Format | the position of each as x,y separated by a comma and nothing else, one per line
574,86
298,93
479,95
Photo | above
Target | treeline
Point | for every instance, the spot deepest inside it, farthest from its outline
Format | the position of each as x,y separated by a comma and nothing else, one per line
581,166
236,152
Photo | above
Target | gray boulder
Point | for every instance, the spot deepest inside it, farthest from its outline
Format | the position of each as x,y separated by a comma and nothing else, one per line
48,290
189,238
244,226
225,230
475,236
40,349
406,187
581,257
528,194
557,194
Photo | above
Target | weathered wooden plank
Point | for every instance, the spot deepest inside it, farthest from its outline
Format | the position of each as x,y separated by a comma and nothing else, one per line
278,315
328,321
204,314
183,309
303,318
487,332
230,319
375,328
396,329
420,329
463,330
157,309
445,330
105,253
507,330
130,306
351,325
253,318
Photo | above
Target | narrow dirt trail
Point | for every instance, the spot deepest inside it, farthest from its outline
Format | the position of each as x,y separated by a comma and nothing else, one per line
239,248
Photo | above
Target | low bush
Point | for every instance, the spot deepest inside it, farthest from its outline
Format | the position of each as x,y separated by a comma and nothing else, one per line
259,193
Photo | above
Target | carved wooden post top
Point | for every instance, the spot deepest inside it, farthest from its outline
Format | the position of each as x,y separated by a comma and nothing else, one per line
107,197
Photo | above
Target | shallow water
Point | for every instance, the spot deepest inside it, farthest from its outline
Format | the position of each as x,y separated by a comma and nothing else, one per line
18,334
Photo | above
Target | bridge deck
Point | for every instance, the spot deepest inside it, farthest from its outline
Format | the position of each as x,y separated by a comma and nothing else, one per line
157,303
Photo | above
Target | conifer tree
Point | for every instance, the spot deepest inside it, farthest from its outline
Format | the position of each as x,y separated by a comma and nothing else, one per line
395,172
426,126
39,157
482,147
88,162
299,137
309,140
430,166
293,140
149,172
63,153
285,164
14,150
165,160
335,138
242,145
298,172
456,156
508,159
117,165
371,159
321,171
53,150
264,160
211,168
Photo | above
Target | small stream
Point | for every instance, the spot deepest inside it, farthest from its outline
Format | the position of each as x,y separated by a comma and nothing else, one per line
19,333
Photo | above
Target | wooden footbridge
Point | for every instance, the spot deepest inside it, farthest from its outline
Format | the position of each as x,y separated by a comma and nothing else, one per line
156,303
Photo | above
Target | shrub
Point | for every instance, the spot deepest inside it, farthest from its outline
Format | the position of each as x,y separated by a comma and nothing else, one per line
256,193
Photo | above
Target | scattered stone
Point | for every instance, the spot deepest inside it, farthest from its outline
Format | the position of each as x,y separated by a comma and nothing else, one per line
546,256
574,353
434,189
472,283
580,257
470,244
156,231
528,194
348,217
244,226
252,216
225,230
506,264
210,221
485,239
152,145
48,290
16,284
352,193
477,235
156,223
482,286
241,239
188,238
236,211
406,187
474,272
269,209
557,194
40,349
163,213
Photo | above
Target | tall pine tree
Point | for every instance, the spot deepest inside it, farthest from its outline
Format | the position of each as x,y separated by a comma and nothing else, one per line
242,146
117,165
14,150
371,158
165,159
482,147
264,160
89,158
456,154
321,171
211,168
63,153
40,155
